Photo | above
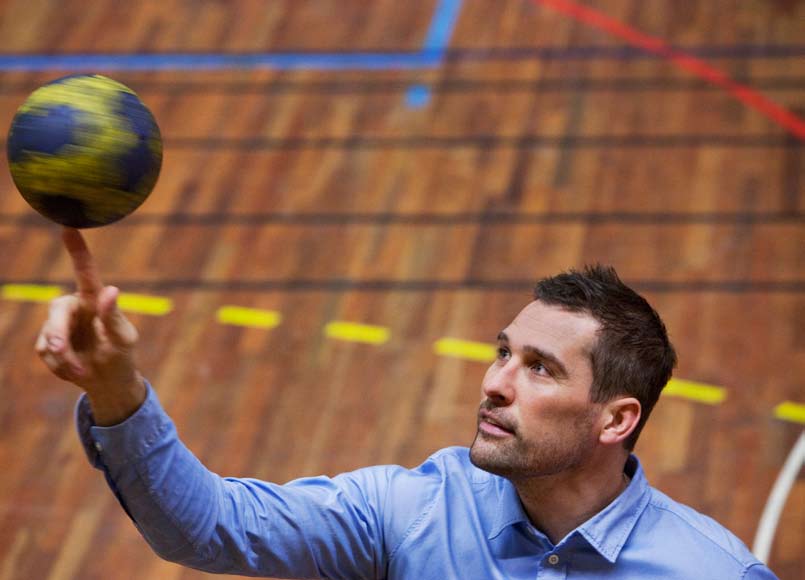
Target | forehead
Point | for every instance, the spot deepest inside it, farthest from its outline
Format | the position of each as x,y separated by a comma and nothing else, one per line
555,329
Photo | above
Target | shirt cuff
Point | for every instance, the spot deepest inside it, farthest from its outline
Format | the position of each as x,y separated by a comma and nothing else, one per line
116,445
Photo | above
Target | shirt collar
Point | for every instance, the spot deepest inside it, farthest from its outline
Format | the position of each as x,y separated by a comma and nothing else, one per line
509,510
606,532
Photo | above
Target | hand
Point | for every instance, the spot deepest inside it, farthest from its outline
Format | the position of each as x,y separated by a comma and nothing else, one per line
87,341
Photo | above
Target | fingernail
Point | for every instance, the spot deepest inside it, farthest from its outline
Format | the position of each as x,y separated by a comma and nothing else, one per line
55,343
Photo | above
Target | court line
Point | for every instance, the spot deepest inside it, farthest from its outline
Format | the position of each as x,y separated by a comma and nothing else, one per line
484,141
623,52
437,39
218,61
430,285
683,60
29,292
391,58
790,411
250,317
694,391
465,349
454,85
430,55
441,28
591,218
128,302
777,500
144,304
338,86
355,332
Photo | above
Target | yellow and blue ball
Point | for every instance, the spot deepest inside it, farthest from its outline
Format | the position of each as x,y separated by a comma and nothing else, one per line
84,151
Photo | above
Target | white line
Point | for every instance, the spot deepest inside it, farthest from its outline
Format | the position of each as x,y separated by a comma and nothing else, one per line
777,498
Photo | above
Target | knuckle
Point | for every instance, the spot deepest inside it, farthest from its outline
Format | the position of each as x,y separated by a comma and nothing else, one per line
58,302
63,303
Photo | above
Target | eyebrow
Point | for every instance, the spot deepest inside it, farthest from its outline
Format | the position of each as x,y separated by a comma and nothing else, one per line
551,359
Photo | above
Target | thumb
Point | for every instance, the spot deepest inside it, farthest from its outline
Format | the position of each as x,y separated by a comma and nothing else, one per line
120,331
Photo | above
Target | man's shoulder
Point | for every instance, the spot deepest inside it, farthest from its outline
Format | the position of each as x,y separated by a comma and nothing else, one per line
686,525
449,463
447,466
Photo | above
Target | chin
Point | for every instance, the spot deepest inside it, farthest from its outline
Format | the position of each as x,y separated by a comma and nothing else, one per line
485,455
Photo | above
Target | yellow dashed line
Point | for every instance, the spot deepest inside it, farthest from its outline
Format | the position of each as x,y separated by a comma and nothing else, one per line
790,411
354,332
465,349
252,317
698,392
30,292
141,304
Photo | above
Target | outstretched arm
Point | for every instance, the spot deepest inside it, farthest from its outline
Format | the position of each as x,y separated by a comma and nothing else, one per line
310,528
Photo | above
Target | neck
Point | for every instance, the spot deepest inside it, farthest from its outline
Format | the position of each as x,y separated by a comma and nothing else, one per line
558,504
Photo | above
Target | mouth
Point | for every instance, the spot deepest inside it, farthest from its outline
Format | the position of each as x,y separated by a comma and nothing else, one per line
490,425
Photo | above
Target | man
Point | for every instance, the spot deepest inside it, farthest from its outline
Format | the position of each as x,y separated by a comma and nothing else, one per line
549,488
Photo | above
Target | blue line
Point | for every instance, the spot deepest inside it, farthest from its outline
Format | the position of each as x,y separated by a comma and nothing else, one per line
431,55
441,26
436,42
286,61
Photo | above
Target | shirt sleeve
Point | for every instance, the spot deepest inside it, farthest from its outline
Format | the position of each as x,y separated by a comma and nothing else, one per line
312,527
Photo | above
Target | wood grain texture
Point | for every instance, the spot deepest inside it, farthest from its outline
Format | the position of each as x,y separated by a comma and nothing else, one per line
292,190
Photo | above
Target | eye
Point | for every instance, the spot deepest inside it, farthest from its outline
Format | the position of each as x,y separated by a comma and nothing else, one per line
540,369
503,353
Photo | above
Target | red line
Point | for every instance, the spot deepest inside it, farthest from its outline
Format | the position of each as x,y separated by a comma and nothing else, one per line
697,67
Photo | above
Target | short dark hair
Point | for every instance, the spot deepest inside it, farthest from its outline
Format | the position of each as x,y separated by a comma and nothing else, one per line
633,355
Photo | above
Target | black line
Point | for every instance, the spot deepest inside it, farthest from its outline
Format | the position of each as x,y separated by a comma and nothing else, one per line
624,52
332,87
486,142
30,219
351,285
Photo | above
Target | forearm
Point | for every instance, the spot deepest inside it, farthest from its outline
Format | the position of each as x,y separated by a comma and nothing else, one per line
191,516
149,470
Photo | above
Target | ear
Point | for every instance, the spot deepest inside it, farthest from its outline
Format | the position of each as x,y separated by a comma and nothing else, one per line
620,419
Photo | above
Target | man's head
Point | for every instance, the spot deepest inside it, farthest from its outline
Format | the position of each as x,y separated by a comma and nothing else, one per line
633,355
582,364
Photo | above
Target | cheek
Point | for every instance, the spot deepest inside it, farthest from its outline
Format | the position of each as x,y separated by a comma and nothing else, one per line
551,414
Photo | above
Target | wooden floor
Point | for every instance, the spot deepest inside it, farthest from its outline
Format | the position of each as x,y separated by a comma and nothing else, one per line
534,143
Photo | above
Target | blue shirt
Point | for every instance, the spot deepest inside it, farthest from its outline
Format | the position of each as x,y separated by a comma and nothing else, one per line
443,520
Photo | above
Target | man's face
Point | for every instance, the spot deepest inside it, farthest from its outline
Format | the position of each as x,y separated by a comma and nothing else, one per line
536,417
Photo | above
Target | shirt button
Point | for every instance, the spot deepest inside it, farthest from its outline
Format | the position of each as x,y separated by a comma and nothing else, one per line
98,446
553,559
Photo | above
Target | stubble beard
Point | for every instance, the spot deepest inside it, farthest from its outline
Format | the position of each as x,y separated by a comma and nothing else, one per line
550,453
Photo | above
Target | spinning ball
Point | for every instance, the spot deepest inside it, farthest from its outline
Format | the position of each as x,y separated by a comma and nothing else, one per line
84,151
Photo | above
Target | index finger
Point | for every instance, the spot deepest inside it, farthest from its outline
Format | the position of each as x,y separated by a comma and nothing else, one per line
86,275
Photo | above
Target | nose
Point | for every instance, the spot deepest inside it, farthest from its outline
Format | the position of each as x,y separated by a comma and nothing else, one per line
498,384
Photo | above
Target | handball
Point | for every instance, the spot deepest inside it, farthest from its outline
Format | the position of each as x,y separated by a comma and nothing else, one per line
84,151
